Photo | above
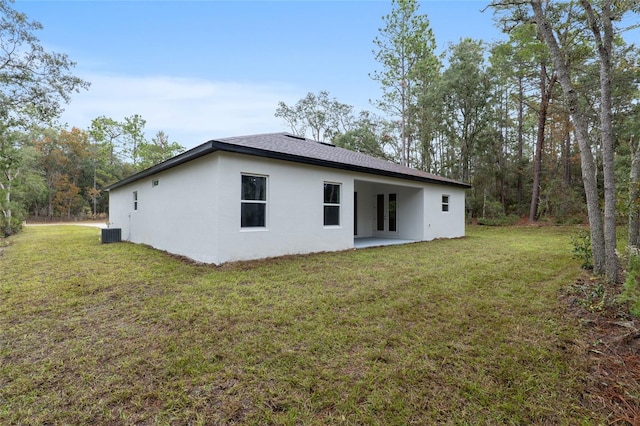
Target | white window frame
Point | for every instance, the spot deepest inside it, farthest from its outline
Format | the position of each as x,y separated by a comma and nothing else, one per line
446,202
135,201
338,204
265,202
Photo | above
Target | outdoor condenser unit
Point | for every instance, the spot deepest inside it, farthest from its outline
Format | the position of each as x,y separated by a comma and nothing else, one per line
111,235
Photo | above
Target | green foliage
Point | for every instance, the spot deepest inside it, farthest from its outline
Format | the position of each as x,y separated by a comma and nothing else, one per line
158,150
504,220
592,295
405,50
12,224
33,82
491,213
562,203
466,112
366,135
631,287
15,174
581,248
322,116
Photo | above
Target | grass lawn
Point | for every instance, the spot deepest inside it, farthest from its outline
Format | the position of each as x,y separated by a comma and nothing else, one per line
466,331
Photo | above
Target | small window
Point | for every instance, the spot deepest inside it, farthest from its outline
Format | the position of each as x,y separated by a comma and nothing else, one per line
135,200
445,203
253,209
155,182
331,204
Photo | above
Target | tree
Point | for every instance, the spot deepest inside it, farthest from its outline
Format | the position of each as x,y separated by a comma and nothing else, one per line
602,29
67,199
546,88
11,166
133,135
33,82
405,50
65,161
466,91
603,235
511,67
634,194
366,135
158,150
332,121
322,116
106,133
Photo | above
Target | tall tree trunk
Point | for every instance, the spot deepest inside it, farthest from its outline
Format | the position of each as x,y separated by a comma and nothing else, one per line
566,159
6,211
582,135
537,162
604,41
634,195
95,188
520,142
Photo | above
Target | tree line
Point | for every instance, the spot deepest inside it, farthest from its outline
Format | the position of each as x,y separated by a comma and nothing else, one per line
52,172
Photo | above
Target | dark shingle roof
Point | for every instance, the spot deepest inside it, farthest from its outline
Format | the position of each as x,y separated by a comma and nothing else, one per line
287,147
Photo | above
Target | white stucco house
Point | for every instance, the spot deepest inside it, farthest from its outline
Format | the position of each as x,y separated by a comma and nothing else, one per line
269,195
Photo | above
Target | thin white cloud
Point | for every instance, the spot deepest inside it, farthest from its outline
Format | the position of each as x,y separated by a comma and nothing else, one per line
190,111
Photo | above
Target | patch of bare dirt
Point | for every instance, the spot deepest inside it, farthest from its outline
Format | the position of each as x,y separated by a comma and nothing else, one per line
611,343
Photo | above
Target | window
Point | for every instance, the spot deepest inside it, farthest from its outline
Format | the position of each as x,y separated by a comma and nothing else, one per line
253,209
135,200
445,203
331,204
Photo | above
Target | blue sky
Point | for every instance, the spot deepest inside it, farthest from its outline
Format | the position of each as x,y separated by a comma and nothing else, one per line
206,69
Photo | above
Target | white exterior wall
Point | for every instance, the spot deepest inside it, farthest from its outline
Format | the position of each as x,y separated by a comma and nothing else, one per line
295,195
439,224
178,215
194,210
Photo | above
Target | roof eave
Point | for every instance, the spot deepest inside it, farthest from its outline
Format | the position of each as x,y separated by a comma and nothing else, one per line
192,154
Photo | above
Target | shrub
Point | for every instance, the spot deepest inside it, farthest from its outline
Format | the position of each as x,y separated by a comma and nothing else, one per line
581,243
10,226
631,288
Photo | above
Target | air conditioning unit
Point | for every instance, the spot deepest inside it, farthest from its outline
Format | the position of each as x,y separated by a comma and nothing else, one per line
111,235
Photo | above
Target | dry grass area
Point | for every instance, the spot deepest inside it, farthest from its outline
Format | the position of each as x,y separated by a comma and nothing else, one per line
467,331
611,344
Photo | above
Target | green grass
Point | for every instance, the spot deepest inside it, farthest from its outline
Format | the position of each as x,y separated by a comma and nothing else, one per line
466,331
